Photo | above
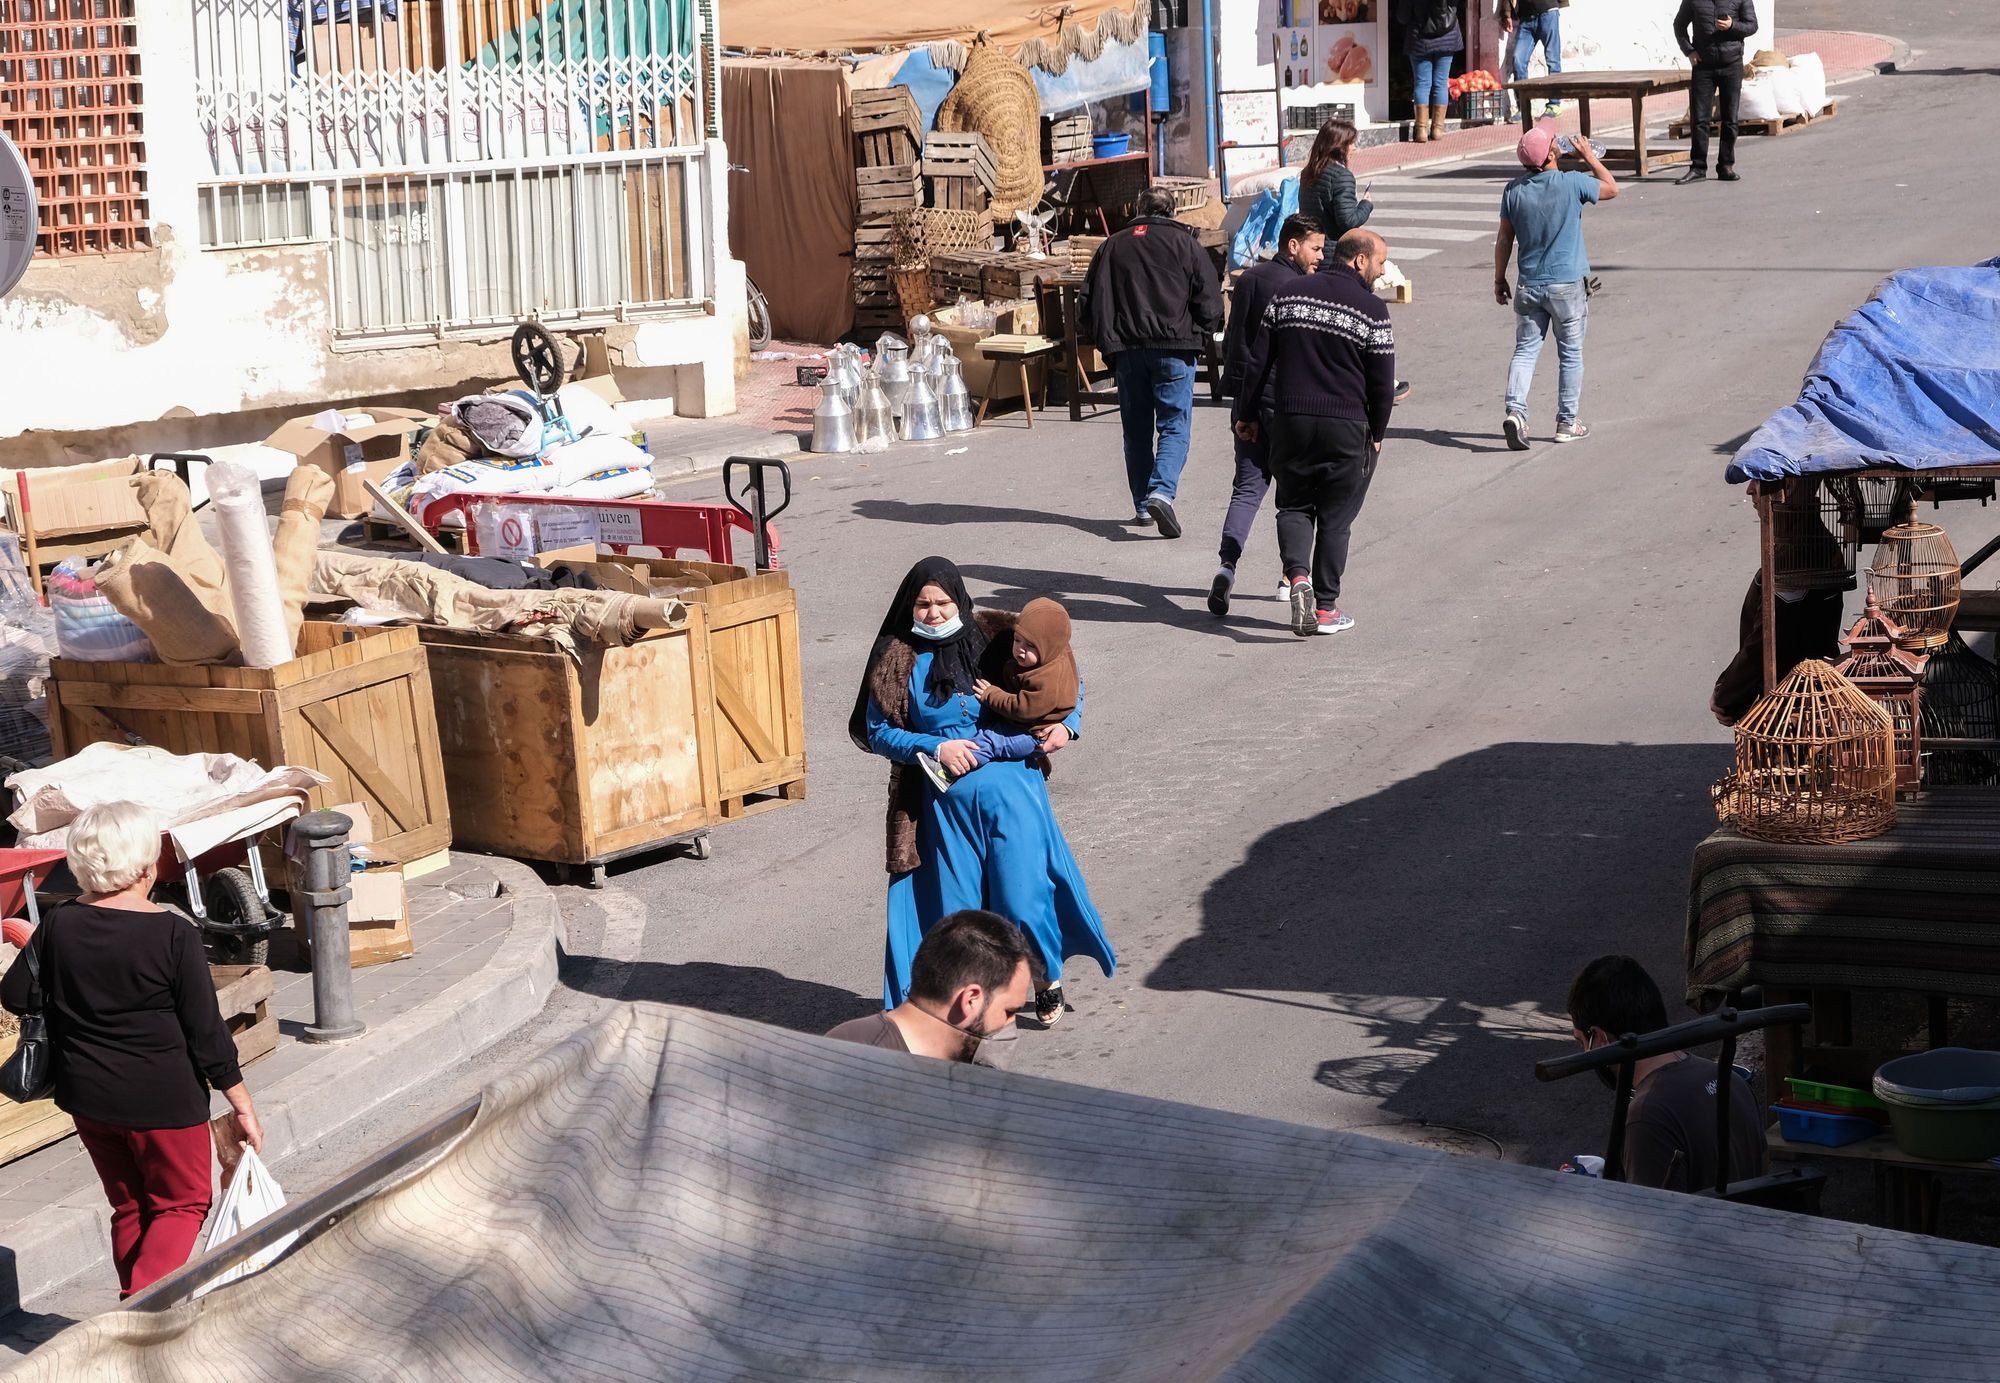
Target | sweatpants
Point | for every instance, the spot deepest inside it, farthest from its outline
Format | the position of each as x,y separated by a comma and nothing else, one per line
1246,495
1322,467
157,1181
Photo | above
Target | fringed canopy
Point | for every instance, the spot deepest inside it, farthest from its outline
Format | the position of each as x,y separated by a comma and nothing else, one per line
1036,35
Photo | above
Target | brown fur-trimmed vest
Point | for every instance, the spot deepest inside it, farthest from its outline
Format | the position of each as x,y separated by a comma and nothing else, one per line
889,685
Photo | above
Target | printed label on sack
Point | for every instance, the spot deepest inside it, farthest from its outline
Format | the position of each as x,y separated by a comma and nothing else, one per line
621,525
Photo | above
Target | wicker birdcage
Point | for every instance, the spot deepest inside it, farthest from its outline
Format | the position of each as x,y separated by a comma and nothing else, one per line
1891,677
1961,700
1872,505
1815,763
1914,578
1808,534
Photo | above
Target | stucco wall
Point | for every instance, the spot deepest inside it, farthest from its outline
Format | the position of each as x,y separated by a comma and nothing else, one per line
153,348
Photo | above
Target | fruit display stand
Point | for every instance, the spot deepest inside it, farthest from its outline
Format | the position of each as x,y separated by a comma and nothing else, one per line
583,760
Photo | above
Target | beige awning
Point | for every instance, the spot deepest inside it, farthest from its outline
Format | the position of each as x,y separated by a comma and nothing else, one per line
1042,35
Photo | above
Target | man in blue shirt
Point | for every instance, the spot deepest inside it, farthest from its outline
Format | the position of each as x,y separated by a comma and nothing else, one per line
1541,212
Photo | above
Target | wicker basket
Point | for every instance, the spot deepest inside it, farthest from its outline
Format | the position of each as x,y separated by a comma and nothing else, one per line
1815,763
913,290
1190,194
996,97
925,231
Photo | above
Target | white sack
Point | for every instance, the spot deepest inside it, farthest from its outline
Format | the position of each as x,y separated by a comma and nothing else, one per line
1760,98
1810,73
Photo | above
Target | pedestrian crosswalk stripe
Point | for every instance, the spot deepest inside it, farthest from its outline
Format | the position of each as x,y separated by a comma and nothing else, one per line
1432,233
1413,252
1431,213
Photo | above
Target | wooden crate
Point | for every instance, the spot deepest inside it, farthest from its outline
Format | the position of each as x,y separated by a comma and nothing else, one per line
355,705
872,285
638,746
1066,140
26,1127
958,194
961,271
885,108
869,317
960,156
875,238
1010,276
884,148
884,191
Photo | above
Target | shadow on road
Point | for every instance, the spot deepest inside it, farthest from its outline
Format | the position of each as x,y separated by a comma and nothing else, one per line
902,511
738,991
1099,600
1449,441
1490,879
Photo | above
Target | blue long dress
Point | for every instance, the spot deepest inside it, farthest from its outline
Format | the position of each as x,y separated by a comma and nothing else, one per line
991,842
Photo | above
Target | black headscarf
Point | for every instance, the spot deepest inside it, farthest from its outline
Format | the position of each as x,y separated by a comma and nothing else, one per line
955,663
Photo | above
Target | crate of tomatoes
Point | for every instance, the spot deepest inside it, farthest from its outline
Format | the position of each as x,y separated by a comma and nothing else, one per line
1481,98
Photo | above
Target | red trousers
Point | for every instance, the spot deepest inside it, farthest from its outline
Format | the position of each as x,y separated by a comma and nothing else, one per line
158,1182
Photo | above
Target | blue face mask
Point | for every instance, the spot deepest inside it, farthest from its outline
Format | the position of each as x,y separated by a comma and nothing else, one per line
937,632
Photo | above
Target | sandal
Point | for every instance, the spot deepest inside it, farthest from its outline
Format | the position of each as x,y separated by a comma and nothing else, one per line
1049,1006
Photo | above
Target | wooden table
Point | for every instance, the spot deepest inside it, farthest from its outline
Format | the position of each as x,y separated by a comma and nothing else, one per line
1907,1191
1018,350
1081,388
1583,87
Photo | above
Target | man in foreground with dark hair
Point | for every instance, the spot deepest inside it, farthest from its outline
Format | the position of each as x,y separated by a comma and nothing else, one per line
1151,299
1301,243
971,975
1670,1128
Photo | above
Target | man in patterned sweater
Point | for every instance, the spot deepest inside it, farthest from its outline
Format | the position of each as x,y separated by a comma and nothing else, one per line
1325,366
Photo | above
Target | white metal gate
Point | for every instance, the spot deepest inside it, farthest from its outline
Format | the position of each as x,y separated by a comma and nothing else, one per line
469,162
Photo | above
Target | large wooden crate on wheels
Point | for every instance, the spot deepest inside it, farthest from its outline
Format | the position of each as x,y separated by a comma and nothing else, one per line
627,749
355,705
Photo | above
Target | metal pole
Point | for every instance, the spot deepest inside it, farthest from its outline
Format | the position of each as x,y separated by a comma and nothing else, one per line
321,907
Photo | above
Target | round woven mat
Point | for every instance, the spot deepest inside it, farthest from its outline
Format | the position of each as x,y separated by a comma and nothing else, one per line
996,97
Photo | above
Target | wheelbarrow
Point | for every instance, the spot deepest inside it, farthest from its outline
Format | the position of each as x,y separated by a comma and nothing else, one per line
211,869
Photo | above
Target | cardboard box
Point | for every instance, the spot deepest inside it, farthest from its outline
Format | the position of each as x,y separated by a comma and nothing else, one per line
64,500
378,915
351,445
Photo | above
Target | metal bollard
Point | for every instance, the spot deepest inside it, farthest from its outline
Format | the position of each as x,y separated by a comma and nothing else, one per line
321,907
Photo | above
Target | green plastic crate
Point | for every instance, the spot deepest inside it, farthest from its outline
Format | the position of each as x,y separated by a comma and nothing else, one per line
1820,1092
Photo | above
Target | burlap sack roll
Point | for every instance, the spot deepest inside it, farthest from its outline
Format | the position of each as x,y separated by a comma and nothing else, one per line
307,495
188,622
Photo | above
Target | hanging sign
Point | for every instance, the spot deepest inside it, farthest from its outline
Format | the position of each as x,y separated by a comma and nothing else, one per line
19,218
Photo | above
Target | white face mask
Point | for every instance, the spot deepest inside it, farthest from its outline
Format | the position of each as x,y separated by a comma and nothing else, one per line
936,632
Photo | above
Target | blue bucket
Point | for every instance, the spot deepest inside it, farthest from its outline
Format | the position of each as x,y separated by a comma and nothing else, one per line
1110,145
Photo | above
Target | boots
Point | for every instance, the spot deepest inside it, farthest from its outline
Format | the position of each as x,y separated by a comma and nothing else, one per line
1437,121
1421,125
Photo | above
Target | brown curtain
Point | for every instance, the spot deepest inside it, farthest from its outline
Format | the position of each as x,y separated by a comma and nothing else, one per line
791,216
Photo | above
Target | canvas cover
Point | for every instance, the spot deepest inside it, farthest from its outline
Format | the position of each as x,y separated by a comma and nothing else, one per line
1039,35
1910,379
670,1194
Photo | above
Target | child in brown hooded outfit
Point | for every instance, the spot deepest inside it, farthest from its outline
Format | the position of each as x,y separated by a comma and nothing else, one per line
1037,686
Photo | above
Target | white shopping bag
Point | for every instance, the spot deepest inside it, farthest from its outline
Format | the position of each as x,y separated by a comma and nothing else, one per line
251,1196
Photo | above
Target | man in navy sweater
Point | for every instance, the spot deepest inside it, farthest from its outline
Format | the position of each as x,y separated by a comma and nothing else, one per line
1301,242
1326,369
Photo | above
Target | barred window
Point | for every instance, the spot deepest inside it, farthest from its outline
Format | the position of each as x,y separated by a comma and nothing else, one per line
70,97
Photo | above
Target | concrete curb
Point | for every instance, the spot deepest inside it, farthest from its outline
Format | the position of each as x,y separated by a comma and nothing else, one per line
352,1080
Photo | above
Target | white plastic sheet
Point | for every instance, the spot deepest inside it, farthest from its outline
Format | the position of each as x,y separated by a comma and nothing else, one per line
254,596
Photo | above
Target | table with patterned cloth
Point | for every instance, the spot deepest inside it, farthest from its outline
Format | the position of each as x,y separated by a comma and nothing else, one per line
1916,909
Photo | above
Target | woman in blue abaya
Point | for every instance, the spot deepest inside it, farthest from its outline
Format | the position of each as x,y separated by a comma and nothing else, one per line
991,839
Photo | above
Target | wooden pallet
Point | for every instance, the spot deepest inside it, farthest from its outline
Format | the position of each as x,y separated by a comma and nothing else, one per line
884,191
1784,124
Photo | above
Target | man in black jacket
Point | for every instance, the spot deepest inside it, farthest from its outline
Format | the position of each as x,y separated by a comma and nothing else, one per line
1711,32
1300,246
1326,369
1152,300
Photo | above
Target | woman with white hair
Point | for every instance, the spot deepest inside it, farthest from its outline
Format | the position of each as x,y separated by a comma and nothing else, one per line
136,1037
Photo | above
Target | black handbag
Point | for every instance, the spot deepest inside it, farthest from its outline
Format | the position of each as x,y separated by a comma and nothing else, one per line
29,1074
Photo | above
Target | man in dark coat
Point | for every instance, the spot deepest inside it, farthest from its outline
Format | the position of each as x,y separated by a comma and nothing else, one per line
1153,300
1300,245
1711,32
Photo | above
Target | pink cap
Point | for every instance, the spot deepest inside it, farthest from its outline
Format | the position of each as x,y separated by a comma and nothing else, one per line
1533,150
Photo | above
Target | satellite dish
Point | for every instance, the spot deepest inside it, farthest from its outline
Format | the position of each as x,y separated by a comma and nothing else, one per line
19,219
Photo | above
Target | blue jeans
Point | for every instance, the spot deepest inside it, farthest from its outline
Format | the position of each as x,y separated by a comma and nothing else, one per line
1537,307
1020,746
1433,80
1253,479
1544,28
1155,390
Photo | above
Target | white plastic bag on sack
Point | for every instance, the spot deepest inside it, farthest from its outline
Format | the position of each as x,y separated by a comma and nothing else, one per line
253,1195
1785,82
1810,73
1760,97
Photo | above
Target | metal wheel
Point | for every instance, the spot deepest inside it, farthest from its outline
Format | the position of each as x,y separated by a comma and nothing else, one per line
230,897
760,318
538,358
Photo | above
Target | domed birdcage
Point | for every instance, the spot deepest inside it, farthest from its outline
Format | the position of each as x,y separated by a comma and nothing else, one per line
1815,763
1889,676
1961,700
1914,578
1809,534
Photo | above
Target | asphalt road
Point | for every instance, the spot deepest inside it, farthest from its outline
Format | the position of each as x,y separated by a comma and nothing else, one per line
1348,878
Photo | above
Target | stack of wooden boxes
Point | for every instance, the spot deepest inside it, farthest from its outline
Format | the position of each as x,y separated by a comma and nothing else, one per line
887,129
1066,139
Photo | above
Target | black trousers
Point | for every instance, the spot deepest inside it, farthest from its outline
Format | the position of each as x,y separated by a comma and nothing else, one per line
1322,467
1709,83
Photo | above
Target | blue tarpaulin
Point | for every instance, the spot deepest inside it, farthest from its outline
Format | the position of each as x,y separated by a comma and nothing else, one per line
1911,379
